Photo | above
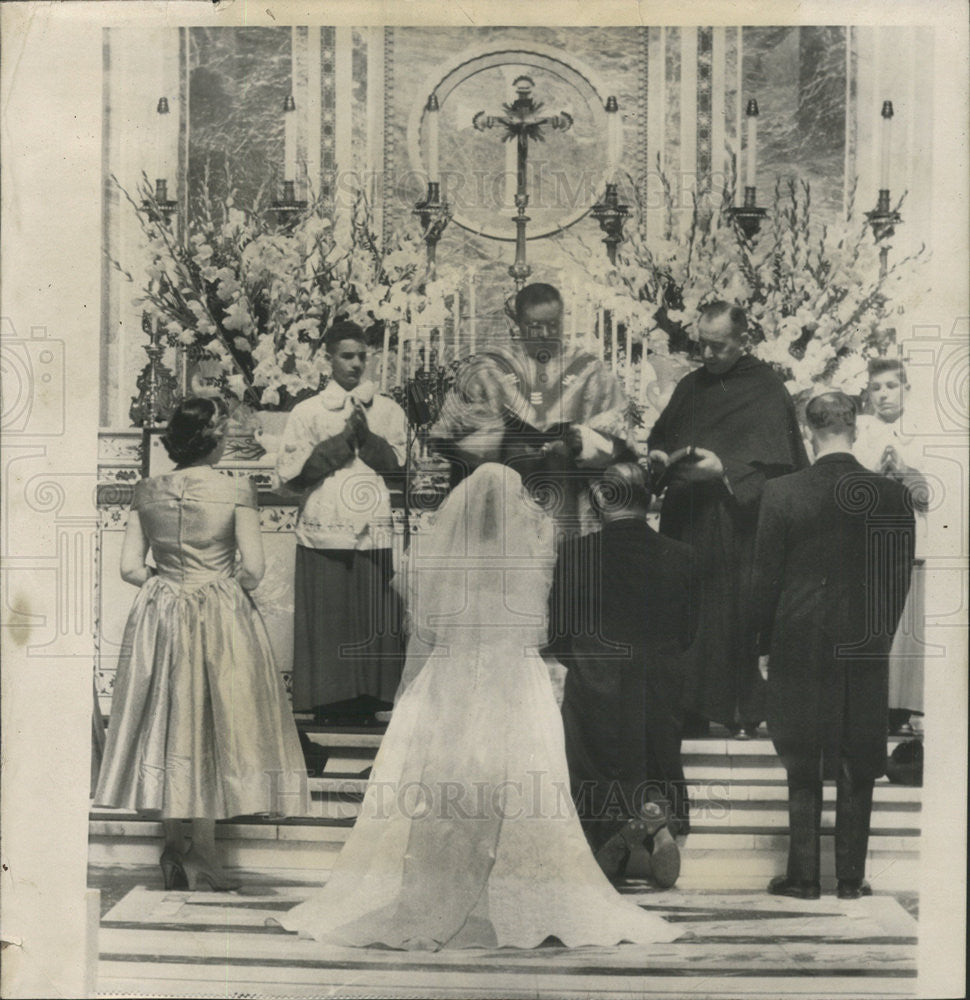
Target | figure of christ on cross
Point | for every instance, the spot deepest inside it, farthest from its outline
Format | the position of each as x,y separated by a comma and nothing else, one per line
522,121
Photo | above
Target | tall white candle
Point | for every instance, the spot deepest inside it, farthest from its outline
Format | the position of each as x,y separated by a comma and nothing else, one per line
289,139
614,134
434,169
166,143
750,174
385,356
887,120
455,326
472,318
645,370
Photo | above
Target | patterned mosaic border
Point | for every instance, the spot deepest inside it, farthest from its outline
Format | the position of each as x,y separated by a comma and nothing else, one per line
705,43
328,103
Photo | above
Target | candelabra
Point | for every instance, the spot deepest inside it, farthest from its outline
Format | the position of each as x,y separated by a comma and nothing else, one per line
434,215
157,386
611,215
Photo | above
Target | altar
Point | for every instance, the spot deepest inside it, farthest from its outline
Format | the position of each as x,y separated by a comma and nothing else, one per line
261,182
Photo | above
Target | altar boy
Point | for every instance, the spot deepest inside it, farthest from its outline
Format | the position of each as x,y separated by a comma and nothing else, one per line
338,449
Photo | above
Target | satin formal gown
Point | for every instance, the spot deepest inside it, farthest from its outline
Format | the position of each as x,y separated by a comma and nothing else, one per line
468,836
200,725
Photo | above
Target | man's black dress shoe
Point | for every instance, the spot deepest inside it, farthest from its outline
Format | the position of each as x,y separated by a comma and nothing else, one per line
781,885
853,889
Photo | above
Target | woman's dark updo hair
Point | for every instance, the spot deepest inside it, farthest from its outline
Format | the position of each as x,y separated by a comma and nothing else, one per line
194,429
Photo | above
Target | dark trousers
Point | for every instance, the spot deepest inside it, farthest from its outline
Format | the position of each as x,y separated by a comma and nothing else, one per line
853,808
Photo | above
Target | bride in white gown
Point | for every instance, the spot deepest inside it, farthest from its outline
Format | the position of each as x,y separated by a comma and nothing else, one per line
467,835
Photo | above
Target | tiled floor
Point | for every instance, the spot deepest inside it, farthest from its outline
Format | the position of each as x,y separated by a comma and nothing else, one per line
179,943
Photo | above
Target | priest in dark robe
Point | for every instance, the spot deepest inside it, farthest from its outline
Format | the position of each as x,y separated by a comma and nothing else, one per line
621,618
730,426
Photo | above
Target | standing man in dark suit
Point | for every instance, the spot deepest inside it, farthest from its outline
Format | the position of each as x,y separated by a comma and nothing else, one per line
621,618
833,556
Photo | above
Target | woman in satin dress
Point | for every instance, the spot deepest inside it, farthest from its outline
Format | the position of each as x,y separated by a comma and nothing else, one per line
468,836
200,726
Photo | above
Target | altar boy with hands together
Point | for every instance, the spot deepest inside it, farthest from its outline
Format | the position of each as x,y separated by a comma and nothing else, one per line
339,450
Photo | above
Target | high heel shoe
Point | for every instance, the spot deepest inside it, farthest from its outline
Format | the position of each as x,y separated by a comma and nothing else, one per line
173,874
197,871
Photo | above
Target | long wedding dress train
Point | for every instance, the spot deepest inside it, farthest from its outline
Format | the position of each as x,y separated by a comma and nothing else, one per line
467,835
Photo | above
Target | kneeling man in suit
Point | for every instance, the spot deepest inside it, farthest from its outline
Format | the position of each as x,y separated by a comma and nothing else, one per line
833,555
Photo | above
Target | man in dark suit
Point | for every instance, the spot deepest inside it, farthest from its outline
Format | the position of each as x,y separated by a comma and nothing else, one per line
620,621
832,563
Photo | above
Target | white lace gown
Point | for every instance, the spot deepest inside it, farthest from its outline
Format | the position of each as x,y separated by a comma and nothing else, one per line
467,835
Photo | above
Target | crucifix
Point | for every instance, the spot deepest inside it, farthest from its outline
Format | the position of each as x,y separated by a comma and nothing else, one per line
522,121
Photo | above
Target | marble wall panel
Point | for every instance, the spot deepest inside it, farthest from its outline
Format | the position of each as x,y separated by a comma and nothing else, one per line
798,76
238,80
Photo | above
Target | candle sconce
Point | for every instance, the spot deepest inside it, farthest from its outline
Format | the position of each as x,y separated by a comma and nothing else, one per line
288,208
611,215
434,215
748,216
159,207
883,221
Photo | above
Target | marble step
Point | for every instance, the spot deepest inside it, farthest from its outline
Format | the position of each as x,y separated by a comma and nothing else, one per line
716,856
721,746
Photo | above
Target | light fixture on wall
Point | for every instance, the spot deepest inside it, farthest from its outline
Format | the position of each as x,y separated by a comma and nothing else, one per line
748,216
433,212
609,213
884,218
288,206
159,205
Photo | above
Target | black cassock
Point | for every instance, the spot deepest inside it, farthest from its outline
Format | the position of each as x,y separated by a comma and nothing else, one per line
620,621
747,418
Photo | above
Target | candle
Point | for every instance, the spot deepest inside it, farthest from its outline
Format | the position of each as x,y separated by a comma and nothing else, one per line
887,119
289,138
385,355
434,174
614,133
511,158
399,360
455,326
471,316
166,142
752,162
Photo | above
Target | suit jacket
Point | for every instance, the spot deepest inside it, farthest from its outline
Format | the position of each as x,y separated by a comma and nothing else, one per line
621,617
833,556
